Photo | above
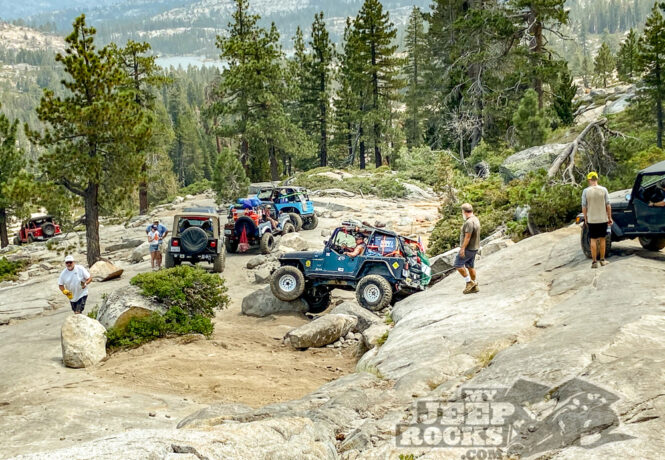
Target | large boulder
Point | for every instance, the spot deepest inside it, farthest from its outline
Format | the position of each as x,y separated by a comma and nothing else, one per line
321,332
365,317
262,303
294,241
496,245
140,252
619,105
83,341
104,270
443,262
372,335
124,304
256,261
521,163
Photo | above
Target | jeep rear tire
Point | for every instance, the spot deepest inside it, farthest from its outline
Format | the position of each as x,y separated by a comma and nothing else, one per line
288,228
267,243
310,223
194,240
48,229
287,283
585,242
317,303
220,262
169,260
31,239
296,220
373,292
652,244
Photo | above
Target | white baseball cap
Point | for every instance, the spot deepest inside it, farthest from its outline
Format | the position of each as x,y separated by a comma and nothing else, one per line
69,259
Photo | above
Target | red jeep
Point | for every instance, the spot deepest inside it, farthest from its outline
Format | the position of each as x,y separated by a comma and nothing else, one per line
39,228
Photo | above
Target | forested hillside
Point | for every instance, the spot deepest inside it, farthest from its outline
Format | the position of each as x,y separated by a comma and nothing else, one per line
441,105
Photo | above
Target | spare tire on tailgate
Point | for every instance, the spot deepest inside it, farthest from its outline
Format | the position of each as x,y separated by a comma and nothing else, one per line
48,229
194,240
247,224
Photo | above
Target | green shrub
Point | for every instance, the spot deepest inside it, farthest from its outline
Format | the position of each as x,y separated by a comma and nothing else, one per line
9,269
190,288
196,188
494,155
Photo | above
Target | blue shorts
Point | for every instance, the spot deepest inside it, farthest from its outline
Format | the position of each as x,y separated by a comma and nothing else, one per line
154,247
79,305
468,260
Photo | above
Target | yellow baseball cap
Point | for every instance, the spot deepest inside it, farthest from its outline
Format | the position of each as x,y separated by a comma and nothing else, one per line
592,175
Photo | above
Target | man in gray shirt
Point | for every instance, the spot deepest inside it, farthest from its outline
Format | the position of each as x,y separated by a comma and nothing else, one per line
469,245
597,217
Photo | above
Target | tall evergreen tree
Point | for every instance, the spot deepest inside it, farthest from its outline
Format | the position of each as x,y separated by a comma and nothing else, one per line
11,164
376,40
319,75
563,98
229,180
530,124
652,62
94,133
627,61
603,64
416,51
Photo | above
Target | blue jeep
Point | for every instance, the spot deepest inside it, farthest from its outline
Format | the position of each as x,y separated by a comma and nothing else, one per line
292,200
390,266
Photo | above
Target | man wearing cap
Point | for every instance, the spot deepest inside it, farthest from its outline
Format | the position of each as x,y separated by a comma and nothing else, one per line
156,233
597,216
73,282
469,245
359,249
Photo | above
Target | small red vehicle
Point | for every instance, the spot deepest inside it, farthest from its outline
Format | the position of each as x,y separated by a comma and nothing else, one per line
39,228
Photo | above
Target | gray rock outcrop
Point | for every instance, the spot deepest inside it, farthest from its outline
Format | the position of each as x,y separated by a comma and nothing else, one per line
372,335
322,331
124,304
262,303
104,270
83,341
140,252
294,241
521,163
365,317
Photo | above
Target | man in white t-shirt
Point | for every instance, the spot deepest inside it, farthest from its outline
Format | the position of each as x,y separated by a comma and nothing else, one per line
73,282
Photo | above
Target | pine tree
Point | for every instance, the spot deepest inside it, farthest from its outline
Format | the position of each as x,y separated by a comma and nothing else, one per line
603,64
229,180
376,52
627,58
530,123
652,62
416,49
94,133
11,164
319,76
563,98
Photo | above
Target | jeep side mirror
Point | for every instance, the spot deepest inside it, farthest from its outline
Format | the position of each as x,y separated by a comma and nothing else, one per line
325,242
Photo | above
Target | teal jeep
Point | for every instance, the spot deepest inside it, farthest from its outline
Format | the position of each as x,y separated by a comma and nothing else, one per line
390,266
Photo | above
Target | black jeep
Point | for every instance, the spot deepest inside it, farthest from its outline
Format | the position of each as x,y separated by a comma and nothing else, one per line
632,215
388,267
197,237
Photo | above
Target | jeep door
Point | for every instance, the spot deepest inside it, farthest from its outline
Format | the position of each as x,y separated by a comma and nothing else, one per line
648,219
335,262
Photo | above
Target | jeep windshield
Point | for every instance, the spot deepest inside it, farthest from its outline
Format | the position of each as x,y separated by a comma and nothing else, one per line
342,240
651,179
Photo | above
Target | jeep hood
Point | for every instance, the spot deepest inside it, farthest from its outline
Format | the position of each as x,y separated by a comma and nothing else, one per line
618,198
301,255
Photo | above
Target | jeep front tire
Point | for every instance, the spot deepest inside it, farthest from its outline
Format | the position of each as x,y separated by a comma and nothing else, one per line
267,243
310,223
374,293
220,261
652,244
287,283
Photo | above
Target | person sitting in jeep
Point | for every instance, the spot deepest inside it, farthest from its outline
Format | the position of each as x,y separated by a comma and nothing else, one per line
266,216
658,197
359,249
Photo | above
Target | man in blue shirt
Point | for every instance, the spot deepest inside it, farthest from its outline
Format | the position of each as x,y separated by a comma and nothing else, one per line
156,246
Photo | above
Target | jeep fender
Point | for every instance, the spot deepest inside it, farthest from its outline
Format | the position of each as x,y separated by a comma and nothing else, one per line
382,267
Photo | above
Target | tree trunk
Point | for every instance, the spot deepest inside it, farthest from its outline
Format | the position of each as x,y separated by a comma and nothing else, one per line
349,143
378,161
538,50
323,143
274,166
361,154
4,239
92,223
143,197
659,105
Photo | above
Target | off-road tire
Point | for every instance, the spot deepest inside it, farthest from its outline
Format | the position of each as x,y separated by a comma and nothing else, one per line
373,292
288,228
287,283
17,241
652,244
296,220
317,304
310,223
231,247
31,239
267,243
585,242
48,229
220,262
194,240
169,260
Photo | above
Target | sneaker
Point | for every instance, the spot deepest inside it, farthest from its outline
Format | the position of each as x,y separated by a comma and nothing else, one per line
469,287
475,287
594,264
603,262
